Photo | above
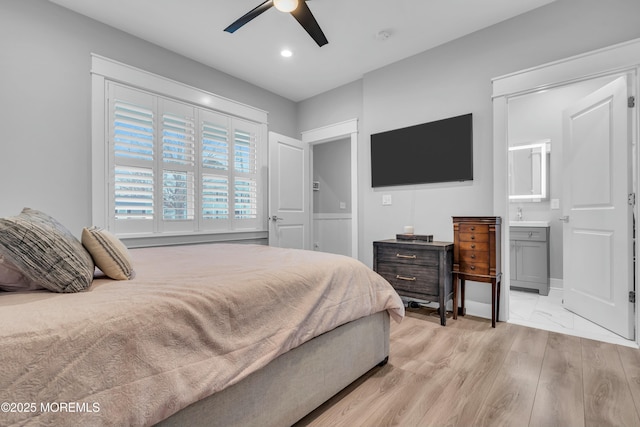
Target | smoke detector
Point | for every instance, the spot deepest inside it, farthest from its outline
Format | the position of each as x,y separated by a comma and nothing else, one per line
383,35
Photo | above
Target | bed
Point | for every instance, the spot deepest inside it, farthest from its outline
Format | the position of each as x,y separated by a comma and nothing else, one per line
215,334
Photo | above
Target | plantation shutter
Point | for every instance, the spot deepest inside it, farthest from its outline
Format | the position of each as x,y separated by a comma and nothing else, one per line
176,168
131,141
178,144
216,157
246,195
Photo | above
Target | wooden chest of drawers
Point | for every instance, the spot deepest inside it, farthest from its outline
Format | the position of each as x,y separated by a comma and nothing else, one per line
476,256
417,269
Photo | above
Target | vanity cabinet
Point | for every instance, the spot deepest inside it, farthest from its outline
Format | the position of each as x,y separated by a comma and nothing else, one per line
529,255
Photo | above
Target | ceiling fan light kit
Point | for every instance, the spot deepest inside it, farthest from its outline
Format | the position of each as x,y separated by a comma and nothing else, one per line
297,8
285,5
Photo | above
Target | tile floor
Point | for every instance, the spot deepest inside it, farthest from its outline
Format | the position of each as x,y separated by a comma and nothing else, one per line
546,312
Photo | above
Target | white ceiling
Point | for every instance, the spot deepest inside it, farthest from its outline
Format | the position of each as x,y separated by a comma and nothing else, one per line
194,28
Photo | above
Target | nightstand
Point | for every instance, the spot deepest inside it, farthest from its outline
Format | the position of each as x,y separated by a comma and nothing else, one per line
476,257
417,269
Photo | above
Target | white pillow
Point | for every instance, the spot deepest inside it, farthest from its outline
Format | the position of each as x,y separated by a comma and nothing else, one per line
109,254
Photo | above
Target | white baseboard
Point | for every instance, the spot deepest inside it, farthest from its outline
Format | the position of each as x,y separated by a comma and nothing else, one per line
556,283
478,309
331,216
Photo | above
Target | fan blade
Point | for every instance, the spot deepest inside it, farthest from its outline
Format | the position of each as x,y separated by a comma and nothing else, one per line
304,16
255,12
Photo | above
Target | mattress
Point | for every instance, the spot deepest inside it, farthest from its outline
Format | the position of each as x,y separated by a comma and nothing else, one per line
193,321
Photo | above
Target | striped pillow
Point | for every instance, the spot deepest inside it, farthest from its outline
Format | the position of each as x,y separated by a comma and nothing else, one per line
44,251
108,252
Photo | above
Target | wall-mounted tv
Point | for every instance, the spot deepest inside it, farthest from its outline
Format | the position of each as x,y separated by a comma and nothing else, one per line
439,151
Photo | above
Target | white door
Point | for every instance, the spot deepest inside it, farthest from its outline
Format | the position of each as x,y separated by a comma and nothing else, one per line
289,192
597,232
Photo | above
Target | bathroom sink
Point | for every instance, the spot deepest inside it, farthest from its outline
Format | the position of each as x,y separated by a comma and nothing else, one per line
529,223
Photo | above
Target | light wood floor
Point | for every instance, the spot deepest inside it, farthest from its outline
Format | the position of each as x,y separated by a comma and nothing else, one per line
469,374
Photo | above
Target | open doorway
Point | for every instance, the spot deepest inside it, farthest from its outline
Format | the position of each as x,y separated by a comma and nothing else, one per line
332,217
551,87
334,151
538,294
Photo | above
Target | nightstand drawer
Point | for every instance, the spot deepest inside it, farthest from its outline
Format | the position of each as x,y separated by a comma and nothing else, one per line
474,246
474,228
408,279
474,256
474,267
473,237
402,255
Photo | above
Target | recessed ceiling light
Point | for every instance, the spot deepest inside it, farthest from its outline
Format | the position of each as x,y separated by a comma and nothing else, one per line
286,53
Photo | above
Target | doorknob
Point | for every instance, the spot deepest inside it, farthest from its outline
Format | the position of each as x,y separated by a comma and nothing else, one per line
275,218
564,218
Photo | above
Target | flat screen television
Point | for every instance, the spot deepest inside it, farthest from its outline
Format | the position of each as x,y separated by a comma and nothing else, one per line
439,151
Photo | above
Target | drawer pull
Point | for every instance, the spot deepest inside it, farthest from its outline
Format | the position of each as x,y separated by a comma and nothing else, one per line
473,228
408,279
473,256
473,237
473,267
406,256
473,246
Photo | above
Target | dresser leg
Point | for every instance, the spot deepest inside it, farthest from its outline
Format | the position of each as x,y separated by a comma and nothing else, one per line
493,303
498,300
455,296
461,310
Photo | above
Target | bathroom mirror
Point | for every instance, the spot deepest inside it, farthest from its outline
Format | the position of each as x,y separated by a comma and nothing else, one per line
528,171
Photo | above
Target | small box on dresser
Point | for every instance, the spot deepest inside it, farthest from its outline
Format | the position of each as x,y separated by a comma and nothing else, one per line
417,269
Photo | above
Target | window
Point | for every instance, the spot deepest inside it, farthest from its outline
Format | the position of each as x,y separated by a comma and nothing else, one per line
179,168
171,166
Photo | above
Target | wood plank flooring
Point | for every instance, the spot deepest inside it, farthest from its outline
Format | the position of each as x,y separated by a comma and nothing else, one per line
469,374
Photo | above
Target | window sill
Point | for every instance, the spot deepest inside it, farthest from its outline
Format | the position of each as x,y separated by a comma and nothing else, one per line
146,240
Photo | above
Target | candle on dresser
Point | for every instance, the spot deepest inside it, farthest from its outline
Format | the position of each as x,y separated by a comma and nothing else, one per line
408,229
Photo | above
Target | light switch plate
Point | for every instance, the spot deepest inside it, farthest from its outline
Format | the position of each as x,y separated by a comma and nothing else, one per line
555,203
386,200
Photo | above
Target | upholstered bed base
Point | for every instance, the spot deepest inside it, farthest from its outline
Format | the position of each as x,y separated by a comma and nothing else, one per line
297,382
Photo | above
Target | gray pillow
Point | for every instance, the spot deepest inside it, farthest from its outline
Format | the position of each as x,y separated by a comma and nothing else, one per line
11,279
45,252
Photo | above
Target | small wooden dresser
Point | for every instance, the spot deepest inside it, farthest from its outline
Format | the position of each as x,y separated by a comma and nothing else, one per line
476,257
417,269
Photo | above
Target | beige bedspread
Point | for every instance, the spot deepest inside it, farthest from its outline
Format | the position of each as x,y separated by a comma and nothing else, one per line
193,321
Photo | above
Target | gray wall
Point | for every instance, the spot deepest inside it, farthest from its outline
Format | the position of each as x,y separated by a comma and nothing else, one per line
455,79
332,169
334,106
45,94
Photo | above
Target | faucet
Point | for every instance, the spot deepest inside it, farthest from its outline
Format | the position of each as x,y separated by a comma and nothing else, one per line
519,213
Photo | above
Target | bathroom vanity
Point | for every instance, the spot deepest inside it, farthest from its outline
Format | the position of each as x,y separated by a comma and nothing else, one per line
529,256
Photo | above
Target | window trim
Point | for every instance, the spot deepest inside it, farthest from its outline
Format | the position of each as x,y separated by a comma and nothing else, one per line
104,70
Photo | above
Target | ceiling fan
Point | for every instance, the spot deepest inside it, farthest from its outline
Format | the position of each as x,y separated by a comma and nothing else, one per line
298,9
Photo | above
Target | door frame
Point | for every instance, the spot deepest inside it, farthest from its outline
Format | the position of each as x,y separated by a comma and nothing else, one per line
613,60
334,132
